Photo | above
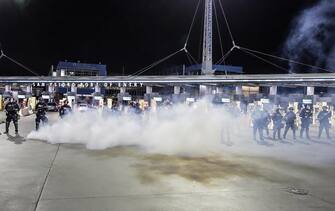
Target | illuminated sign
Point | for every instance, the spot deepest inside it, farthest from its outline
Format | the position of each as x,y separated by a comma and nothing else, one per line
307,101
158,99
97,98
265,101
21,96
126,98
45,97
225,100
191,100
89,84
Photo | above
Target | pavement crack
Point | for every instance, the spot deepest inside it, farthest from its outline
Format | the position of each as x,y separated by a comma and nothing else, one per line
46,178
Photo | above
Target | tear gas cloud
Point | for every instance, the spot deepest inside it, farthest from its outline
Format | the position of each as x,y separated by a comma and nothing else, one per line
177,130
312,38
180,130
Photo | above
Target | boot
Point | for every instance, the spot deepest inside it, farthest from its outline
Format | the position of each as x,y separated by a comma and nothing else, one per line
7,128
16,128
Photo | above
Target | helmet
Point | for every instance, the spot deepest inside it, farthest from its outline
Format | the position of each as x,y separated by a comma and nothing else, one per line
12,100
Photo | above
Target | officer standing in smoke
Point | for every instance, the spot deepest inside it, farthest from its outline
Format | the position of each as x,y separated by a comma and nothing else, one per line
65,109
306,120
12,109
258,123
324,119
290,118
41,109
277,119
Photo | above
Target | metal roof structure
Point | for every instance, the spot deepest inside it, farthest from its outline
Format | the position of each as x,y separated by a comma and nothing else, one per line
76,66
218,68
312,79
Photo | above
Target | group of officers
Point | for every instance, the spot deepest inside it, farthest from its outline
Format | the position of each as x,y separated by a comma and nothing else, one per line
12,109
261,120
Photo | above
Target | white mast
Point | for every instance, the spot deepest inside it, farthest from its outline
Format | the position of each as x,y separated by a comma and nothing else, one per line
207,55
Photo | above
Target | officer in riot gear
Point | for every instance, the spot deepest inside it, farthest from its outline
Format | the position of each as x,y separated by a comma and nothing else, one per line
41,109
324,119
258,123
277,119
290,118
12,109
306,120
65,109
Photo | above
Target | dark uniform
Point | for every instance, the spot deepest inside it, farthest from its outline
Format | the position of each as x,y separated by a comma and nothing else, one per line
259,121
65,110
41,109
324,118
12,109
290,118
277,119
306,120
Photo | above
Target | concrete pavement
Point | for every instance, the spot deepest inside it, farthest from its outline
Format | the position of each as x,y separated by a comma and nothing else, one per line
39,176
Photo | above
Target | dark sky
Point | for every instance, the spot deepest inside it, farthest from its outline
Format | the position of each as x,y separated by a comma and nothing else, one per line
135,33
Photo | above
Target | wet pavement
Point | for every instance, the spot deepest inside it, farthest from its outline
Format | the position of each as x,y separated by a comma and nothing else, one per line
38,176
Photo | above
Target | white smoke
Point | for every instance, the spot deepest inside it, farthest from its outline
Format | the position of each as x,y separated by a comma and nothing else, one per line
312,39
181,130
177,130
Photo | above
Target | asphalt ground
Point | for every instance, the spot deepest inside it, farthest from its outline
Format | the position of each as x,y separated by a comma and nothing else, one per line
35,175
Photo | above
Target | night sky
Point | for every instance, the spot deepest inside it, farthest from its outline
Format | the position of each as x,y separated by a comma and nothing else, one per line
134,34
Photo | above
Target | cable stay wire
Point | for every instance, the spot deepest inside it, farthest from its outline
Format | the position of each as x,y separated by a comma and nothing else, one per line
189,59
3,55
285,59
225,56
192,24
145,69
202,22
264,60
21,65
220,38
141,71
218,28
190,55
227,23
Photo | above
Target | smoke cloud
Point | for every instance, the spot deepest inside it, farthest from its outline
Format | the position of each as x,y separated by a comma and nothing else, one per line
202,130
312,38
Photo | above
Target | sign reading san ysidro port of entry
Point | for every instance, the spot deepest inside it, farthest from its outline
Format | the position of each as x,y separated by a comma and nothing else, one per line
88,84
321,79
